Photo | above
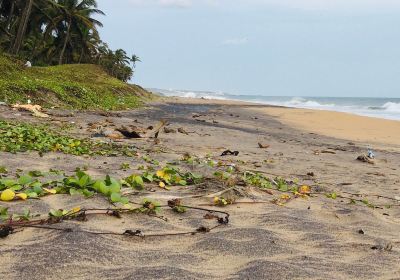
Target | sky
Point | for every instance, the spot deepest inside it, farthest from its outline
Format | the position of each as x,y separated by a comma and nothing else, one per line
261,47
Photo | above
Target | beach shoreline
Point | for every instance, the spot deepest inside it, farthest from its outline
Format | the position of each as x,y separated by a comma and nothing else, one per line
372,131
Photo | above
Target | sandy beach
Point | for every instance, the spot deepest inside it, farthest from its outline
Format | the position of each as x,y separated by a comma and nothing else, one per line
354,236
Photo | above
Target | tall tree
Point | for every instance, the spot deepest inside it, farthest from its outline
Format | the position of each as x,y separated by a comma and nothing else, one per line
23,23
74,14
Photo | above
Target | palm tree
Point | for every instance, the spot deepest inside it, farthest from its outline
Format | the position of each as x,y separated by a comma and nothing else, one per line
135,59
59,31
87,41
74,14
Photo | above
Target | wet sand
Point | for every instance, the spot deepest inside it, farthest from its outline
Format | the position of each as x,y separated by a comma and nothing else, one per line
307,238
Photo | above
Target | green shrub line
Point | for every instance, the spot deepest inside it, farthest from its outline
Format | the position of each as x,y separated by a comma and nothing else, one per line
22,137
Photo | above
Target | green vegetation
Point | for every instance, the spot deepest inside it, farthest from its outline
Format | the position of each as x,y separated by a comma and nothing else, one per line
18,137
50,32
27,186
71,86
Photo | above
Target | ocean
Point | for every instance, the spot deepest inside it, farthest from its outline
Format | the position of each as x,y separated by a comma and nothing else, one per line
385,108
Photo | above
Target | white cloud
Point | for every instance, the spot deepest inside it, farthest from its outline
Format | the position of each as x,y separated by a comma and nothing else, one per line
235,41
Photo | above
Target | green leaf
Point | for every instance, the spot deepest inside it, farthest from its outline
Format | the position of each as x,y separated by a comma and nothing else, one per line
38,190
32,195
35,173
138,181
103,188
149,177
16,187
124,200
56,213
115,197
87,193
115,187
8,182
25,179
83,181
73,191
182,183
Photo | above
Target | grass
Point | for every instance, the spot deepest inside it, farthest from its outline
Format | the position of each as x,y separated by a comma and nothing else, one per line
78,86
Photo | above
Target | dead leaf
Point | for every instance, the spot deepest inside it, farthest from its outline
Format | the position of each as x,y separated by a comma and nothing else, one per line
169,130
183,131
263,146
34,109
304,189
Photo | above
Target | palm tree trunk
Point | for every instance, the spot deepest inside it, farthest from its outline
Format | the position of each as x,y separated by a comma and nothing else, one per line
10,16
22,27
81,56
60,61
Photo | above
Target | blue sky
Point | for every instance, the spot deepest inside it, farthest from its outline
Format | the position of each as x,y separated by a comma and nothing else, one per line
266,47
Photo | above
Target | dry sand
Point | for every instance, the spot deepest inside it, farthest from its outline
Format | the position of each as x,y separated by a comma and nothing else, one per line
314,238
341,125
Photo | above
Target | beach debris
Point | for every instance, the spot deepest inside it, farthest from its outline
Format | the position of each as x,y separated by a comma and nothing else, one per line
371,154
311,174
229,152
156,131
183,131
345,184
169,130
195,115
387,247
36,110
361,231
109,114
6,231
380,174
129,132
328,152
210,216
115,135
364,158
125,132
263,146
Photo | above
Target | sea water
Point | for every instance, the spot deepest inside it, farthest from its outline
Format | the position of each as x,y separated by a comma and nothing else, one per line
386,108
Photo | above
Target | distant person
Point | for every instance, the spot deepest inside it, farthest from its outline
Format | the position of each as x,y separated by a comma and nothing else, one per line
28,64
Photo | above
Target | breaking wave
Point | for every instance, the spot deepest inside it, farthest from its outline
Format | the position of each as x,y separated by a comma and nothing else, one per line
387,108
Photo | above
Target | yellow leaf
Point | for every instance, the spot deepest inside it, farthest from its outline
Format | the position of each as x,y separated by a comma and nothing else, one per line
161,185
167,177
285,196
216,199
51,191
76,209
160,173
22,196
7,195
304,189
